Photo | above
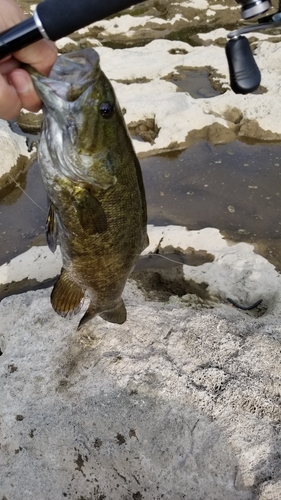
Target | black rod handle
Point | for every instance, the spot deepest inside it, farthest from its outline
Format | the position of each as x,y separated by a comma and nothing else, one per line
18,37
62,17
244,73
55,19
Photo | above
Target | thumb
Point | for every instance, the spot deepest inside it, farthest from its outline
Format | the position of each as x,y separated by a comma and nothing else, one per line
40,55
23,85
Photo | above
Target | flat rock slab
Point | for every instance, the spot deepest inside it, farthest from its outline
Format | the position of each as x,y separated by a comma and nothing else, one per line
177,403
29,270
204,264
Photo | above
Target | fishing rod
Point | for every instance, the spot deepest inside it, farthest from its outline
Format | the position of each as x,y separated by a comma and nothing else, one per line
55,19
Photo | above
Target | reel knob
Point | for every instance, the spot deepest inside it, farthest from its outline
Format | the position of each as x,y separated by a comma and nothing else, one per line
244,73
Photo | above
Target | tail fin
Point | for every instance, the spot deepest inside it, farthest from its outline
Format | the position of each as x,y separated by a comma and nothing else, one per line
117,315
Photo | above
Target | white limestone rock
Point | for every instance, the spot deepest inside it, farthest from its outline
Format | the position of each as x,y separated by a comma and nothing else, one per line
182,401
177,115
139,76
233,270
36,266
176,403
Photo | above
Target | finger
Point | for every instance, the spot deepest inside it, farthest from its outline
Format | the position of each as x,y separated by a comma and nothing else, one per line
7,66
23,86
10,103
13,14
41,55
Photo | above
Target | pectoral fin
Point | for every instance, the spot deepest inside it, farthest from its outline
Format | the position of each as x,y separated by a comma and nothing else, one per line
66,296
51,228
90,212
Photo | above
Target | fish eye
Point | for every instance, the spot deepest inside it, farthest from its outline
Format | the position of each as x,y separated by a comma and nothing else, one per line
106,109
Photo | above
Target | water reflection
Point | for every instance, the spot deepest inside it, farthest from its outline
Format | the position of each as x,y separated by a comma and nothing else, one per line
21,220
194,81
234,187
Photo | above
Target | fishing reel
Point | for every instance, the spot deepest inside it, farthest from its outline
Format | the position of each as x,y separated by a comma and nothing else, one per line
245,75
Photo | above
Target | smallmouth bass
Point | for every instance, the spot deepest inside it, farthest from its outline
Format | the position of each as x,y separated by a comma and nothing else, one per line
93,179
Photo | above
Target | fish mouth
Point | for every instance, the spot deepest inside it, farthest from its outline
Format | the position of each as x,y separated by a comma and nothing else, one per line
71,75
66,95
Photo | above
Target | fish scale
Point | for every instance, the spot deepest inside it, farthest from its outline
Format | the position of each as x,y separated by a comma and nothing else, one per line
94,184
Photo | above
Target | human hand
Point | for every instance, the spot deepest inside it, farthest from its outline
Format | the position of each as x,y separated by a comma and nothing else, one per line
16,87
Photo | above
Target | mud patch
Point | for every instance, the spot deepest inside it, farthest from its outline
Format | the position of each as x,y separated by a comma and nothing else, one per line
171,257
160,275
144,130
135,80
177,51
160,285
251,130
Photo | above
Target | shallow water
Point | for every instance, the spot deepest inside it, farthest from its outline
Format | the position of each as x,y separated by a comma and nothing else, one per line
235,188
194,81
21,220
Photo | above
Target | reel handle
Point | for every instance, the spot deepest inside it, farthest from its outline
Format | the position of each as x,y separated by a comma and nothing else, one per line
244,73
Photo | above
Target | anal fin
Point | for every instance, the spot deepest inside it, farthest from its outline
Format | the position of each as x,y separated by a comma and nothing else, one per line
66,296
89,314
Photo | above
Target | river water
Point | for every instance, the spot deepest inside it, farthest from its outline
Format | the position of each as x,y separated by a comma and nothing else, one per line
234,187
